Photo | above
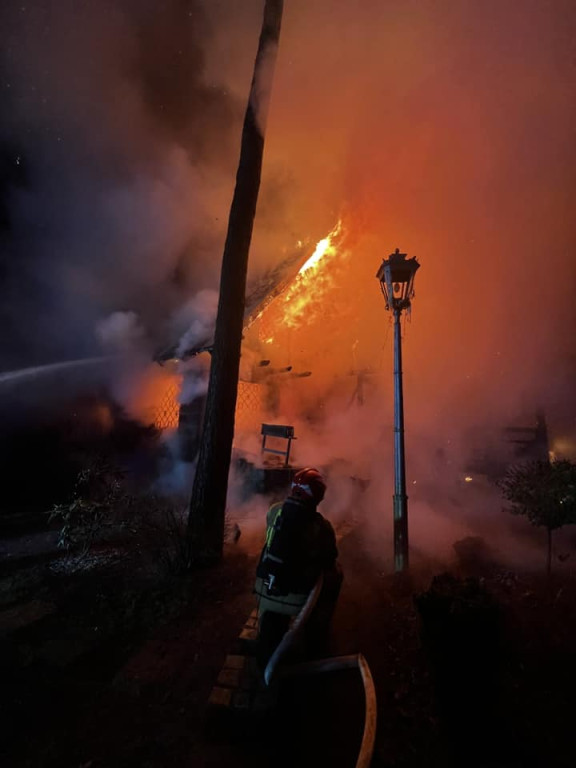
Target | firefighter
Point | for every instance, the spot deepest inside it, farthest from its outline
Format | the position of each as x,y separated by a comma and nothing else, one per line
300,544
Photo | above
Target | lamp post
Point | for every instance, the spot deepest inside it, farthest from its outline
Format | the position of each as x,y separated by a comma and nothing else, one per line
396,277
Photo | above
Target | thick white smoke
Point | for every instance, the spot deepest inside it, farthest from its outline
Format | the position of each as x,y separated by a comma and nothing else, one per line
194,322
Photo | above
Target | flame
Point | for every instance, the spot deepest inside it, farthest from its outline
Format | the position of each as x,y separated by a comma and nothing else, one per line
310,283
322,248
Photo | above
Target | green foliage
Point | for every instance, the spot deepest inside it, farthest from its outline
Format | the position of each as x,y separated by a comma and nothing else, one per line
542,491
103,506
98,502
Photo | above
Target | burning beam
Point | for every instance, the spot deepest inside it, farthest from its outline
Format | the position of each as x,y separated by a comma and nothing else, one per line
290,284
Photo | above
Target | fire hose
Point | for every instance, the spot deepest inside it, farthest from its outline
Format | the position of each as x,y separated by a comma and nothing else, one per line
291,637
337,663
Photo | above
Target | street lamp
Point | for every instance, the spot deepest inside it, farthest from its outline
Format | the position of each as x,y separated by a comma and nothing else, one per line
396,277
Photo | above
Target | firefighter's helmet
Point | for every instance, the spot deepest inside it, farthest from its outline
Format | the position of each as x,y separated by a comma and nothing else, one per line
308,483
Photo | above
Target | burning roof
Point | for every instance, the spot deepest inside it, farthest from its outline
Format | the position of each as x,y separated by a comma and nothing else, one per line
289,280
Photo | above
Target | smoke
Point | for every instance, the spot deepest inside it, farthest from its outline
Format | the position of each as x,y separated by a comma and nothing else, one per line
129,152
121,332
446,131
195,382
443,129
194,322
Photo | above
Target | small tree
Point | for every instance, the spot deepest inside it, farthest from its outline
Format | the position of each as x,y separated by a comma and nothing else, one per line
545,493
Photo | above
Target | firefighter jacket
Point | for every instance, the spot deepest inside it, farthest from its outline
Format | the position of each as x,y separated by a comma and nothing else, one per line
300,544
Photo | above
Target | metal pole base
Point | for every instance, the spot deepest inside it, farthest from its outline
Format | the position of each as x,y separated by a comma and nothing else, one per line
401,562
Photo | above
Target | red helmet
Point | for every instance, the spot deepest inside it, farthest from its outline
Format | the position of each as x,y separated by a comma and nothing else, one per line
309,484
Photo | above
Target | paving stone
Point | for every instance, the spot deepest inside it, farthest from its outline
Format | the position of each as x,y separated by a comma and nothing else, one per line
229,678
220,697
251,625
235,661
239,680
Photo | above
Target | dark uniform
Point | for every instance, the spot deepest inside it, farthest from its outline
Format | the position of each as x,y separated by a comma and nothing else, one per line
283,590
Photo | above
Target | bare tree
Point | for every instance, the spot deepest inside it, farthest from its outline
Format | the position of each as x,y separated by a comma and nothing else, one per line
208,501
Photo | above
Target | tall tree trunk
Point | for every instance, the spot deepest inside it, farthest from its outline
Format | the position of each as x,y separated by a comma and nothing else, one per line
208,501
549,557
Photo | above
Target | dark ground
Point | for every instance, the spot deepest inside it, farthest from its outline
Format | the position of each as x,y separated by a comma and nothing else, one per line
103,668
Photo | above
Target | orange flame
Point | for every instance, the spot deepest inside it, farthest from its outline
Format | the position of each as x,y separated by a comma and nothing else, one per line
311,282
323,247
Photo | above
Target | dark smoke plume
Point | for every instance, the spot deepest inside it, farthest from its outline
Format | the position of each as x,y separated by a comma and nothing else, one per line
117,155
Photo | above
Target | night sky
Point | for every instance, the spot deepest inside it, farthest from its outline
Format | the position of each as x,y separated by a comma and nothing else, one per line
107,126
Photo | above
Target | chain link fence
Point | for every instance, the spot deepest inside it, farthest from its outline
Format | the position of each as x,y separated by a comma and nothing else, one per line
248,406
168,409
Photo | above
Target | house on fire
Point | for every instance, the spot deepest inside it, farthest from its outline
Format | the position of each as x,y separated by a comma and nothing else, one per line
274,364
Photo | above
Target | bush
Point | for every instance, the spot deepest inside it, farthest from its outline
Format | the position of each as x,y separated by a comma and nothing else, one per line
461,636
102,507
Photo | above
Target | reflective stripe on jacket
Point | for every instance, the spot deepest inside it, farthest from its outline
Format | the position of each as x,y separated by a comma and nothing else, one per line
320,554
271,518
289,604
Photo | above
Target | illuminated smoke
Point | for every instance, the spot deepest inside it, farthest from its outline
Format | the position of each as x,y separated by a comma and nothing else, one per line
194,322
445,129
121,333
